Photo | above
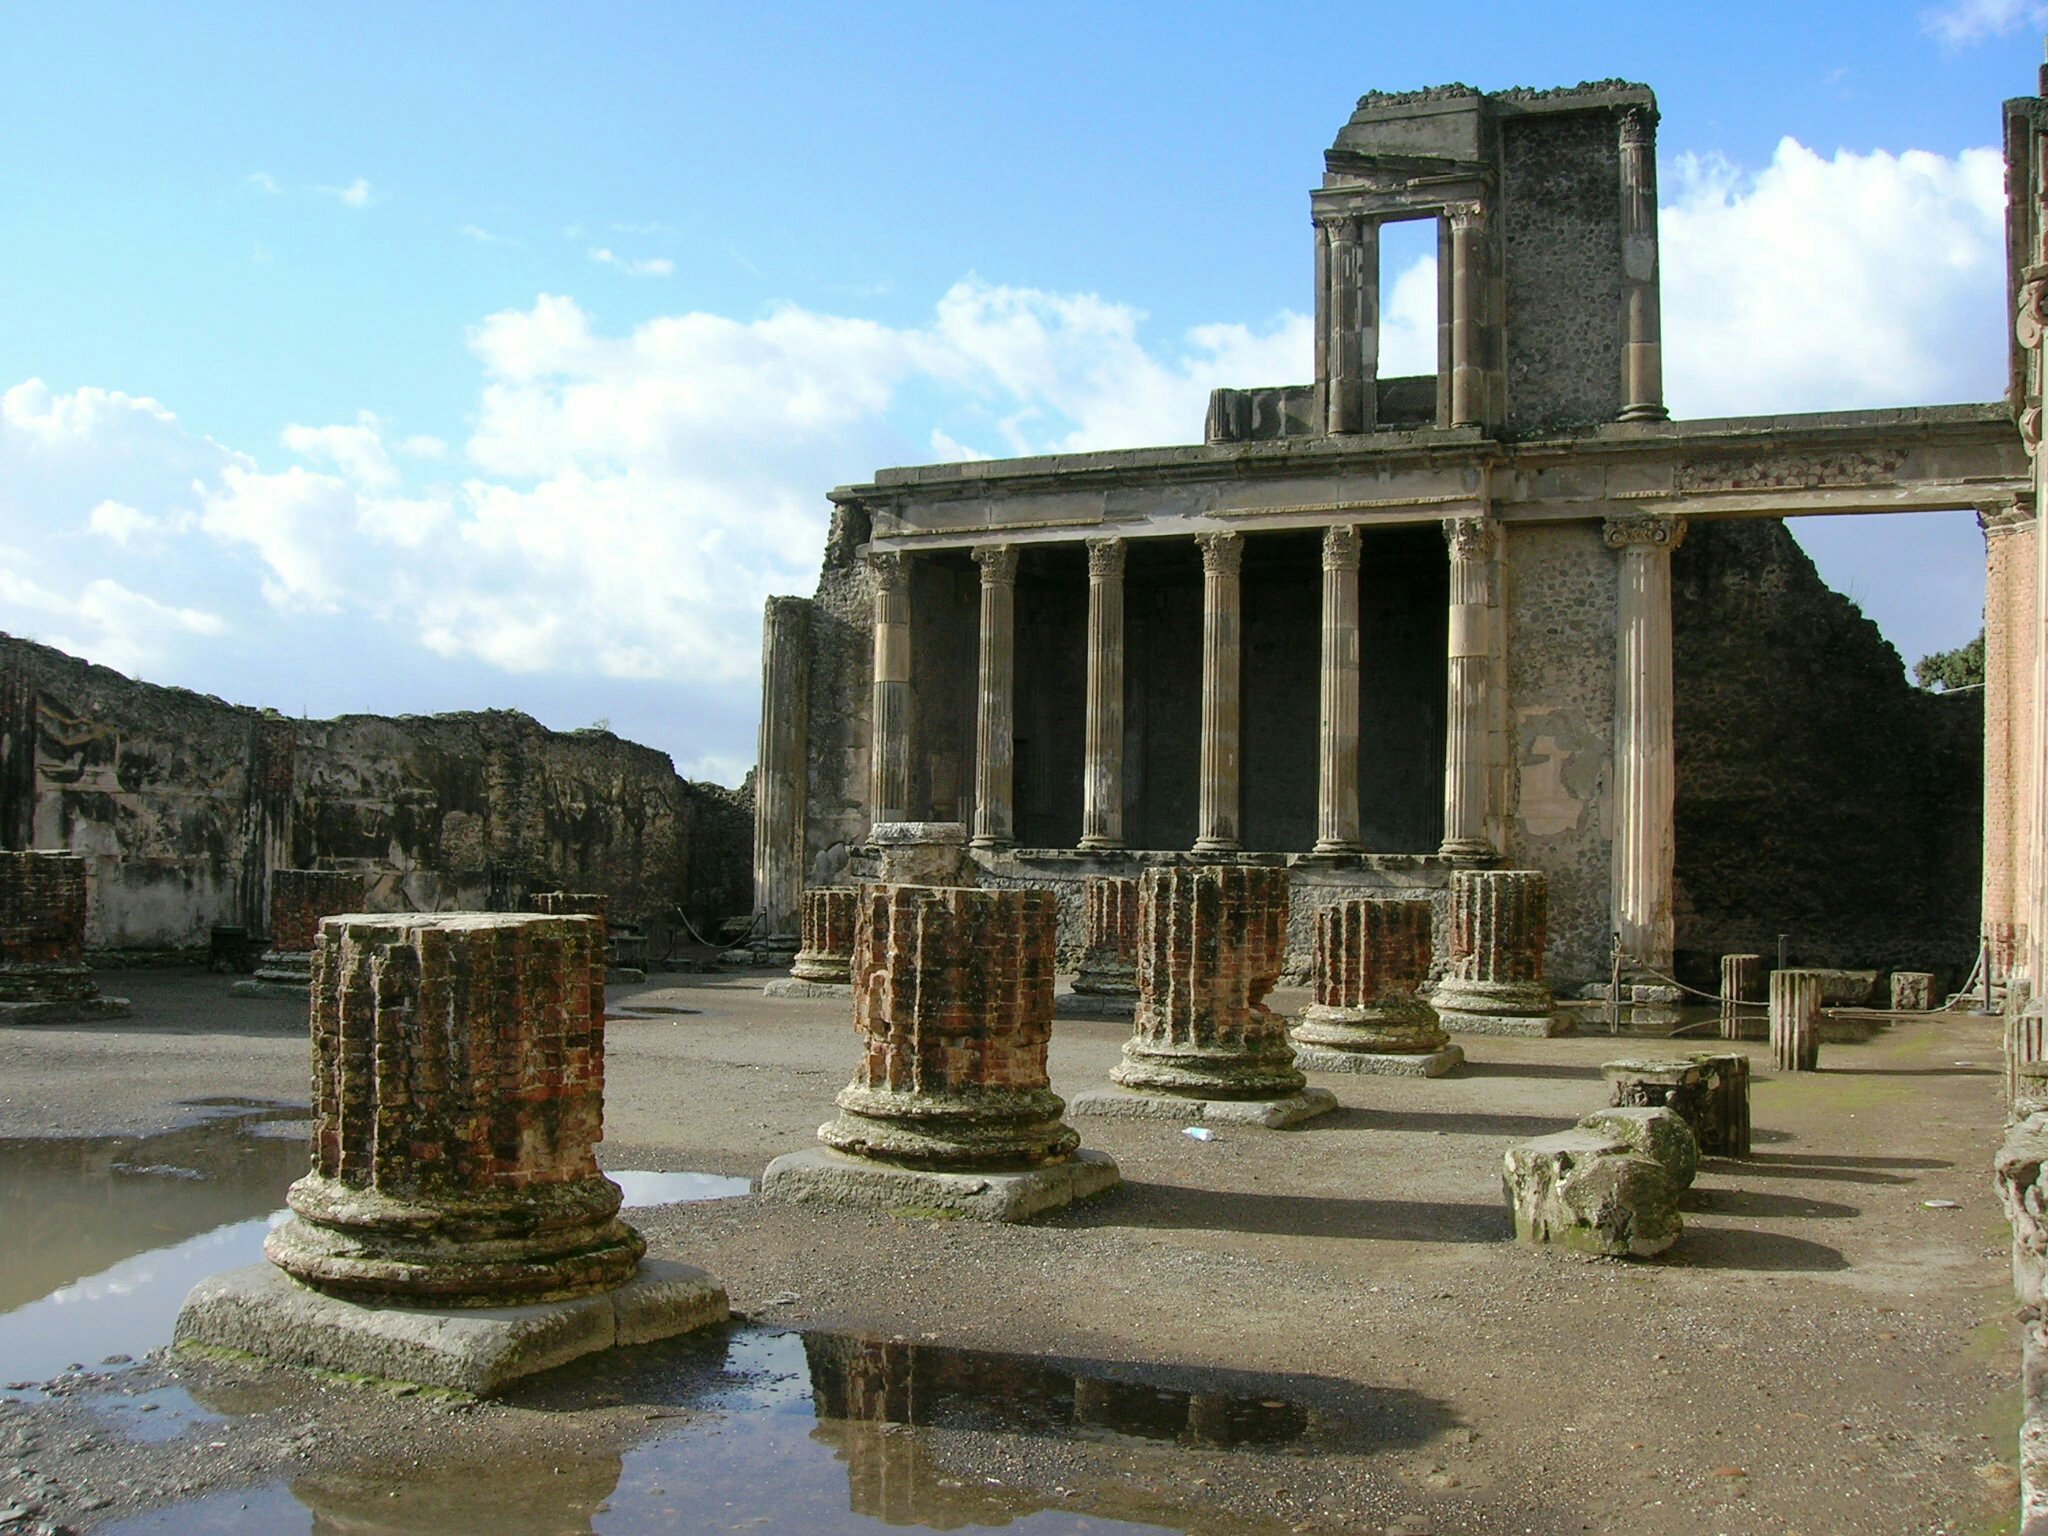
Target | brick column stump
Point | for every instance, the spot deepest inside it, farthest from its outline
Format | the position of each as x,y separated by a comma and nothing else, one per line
950,1108
1371,960
1211,941
299,899
1106,985
1494,984
458,1097
43,975
824,965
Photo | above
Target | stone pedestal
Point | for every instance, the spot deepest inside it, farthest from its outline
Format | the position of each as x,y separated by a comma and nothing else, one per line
1494,984
950,1108
1211,942
1653,1131
1106,986
1913,992
43,975
921,852
824,966
1591,1192
1371,957
1795,1020
1742,978
458,1096
299,899
1722,1126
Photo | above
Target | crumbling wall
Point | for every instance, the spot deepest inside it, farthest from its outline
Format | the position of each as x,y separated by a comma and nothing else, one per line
840,729
1820,794
184,803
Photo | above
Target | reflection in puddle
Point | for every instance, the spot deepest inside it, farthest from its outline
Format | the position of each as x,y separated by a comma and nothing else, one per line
675,1188
820,1433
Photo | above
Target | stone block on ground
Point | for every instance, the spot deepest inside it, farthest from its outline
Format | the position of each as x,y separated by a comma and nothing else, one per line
1913,992
1723,1123
1674,1083
1437,1063
1591,1194
1656,1133
818,1175
1273,1114
2016,1174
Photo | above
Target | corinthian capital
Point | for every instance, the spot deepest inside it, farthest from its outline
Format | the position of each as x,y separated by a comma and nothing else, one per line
1222,553
889,571
1665,533
1340,548
1470,538
998,564
1105,559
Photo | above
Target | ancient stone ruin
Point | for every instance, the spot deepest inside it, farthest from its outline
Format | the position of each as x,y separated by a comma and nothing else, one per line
1913,991
458,1097
591,904
299,898
1591,1191
1795,1020
1211,940
1106,982
950,1107
1372,960
43,975
824,961
1494,983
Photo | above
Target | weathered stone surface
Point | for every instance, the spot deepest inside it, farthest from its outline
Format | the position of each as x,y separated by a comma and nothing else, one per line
1913,991
1109,939
2016,1175
2034,1430
829,913
1589,1193
1742,978
1494,983
2030,1089
816,1175
1650,1082
1656,1133
1271,1113
1795,1020
1723,1123
458,1096
922,852
953,995
1370,959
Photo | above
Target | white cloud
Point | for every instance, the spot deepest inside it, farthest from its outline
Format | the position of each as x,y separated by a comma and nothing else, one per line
357,195
483,236
357,451
295,522
651,266
1861,280
1966,21
119,522
263,181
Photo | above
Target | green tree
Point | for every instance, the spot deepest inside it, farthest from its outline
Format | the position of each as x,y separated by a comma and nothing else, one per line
1960,668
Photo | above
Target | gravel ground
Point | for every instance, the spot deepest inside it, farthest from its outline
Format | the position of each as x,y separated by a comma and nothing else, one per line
1821,1353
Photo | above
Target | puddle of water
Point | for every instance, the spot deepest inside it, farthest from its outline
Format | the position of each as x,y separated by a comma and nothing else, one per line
155,1416
644,1188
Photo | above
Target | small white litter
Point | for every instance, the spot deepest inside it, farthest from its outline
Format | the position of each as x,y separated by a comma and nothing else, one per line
1199,1132
1943,1205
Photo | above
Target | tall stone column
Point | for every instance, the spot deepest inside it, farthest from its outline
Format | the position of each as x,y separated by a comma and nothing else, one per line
2009,598
889,779
1468,716
1371,960
995,724
782,779
1337,760
1102,777
1642,384
1468,315
1494,984
1222,678
1645,779
2031,330
1347,318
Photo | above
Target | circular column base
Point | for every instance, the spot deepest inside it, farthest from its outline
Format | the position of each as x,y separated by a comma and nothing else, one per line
1210,1072
1390,1028
988,1128
822,966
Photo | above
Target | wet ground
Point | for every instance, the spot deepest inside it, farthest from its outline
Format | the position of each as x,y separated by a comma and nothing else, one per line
1317,1330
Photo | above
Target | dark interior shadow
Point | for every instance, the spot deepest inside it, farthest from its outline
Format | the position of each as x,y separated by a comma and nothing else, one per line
1705,1247
1449,1122
1757,1202
1526,1069
1180,1208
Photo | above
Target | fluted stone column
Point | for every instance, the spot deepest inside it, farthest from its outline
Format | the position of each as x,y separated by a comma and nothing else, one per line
1106,986
1347,321
1102,776
950,1105
1468,715
1337,759
1222,678
1795,1020
1211,941
1642,386
782,779
1468,315
889,786
1645,773
299,899
1371,960
1499,926
995,726
43,974
1741,978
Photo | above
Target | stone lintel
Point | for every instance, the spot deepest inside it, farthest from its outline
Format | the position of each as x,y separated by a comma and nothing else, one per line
1273,1114
261,1311
820,1176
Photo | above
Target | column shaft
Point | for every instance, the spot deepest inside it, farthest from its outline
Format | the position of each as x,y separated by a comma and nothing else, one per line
1644,770
782,778
1222,563
995,731
1467,719
889,780
1642,387
1468,315
1102,785
1348,311
1337,828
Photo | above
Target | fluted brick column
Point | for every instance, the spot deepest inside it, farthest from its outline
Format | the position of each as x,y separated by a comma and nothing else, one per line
1371,960
1337,827
889,778
1222,662
1109,938
953,991
1499,926
1645,772
1468,716
1211,941
829,915
42,929
458,1096
995,726
1102,770
1795,1020
584,904
299,899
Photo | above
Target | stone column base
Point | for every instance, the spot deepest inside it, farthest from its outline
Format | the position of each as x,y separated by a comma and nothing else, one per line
825,969
1316,1058
54,983
73,1011
1094,1005
263,1312
1122,1104
819,1176
791,986
1498,1008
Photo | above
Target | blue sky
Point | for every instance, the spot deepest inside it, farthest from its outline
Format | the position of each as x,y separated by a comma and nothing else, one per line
392,359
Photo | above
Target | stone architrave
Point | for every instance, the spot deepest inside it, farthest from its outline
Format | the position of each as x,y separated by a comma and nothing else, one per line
1211,942
43,974
1219,790
1795,1020
921,852
1494,984
950,1107
824,966
1913,992
1371,961
1106,985
458,1097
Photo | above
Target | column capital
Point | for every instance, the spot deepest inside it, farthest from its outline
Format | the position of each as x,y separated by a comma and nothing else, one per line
1105,558
1222,553
1340,547
2000,517
1466,218
1646,532
998,563
889,569
1470,538
1638,126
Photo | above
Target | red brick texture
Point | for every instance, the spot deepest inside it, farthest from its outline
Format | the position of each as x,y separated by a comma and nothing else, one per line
299,898
1499,925
1370,952
42,928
